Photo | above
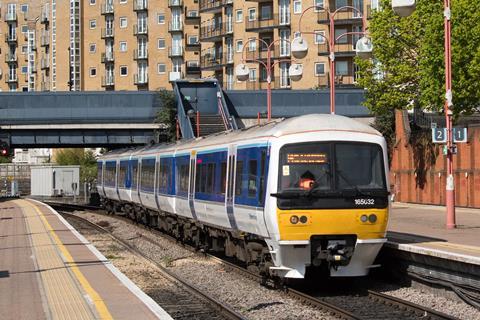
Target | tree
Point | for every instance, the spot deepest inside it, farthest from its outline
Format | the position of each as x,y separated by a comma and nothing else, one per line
168,114
408,66
85,158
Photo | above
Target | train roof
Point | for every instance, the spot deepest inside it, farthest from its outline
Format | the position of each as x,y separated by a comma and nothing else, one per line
273,129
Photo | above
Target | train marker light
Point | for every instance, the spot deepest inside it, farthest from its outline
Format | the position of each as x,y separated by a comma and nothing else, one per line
364,218
294,219
372,218
303,219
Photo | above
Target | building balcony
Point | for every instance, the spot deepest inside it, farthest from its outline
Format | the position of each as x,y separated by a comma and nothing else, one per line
45,15
213,33
175,26
108,81
140,54
209,60
175,3
107,8
11,38
192,16
11,78
192,68
213,6
107,57
346,80
174,52
140,79
191,46
262,24
10,16
140,5
140,30
346,49
44,63
276,52
347,16
174,75
11,58
44,86
261,84
107,33
45,39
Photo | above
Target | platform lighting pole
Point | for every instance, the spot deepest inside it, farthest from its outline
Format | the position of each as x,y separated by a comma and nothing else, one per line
331,40
448,105
268,65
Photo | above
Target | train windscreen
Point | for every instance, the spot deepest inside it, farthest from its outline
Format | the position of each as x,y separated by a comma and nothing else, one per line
331,175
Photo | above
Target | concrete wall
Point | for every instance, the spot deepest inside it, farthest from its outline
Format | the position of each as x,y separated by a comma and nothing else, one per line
418,171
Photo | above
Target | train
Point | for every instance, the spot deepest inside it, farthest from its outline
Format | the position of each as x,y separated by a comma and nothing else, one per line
286,197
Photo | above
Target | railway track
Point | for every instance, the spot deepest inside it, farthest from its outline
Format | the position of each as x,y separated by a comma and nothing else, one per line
373,305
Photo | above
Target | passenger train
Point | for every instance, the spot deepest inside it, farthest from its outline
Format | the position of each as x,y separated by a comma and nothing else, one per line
309,192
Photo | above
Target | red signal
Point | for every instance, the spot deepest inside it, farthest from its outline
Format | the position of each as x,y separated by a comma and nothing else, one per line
4,152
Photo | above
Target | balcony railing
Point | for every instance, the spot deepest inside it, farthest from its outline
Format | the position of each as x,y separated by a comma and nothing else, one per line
107,57
44,63
45,39
10,16
276,52
45,15
107,33
192,15
140,54
44,86
140,5
175,3
195,46
344,49
107,8
175,26
140,79
343,16
192,69
213,5
265,23
11,78
347,80
213,32
175,52
140,30
11,37
211,60
261,84
11,58
108,81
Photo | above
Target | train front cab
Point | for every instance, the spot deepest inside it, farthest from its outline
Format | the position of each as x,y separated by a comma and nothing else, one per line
331,206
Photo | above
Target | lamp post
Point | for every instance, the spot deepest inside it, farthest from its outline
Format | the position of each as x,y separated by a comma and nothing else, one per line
363,46
243,72
405,8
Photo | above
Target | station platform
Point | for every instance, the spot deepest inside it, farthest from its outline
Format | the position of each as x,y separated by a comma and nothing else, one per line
49,271
422,229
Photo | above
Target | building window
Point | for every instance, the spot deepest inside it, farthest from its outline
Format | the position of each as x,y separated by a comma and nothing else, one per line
252,14
93,72
253,75
239,15
123,1
24,29
123,46
239,45
92,2
161,43
162,68
24,69
319,5
297,7
341,68
24,49
192,39
161,18
24,8
123,71
123,22
319,36
341,3
93,47
93,24
319,69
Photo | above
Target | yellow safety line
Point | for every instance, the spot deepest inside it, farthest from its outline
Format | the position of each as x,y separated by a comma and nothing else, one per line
97,300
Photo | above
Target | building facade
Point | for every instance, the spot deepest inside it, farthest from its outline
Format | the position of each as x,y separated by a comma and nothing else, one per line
61,45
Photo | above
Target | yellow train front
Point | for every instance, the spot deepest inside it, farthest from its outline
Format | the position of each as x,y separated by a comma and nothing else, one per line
327,199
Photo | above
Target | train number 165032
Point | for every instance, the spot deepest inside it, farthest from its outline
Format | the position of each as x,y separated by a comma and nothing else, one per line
364,202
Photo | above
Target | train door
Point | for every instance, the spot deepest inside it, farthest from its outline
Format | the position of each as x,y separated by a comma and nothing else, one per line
117,176
231,185
139,181
191,184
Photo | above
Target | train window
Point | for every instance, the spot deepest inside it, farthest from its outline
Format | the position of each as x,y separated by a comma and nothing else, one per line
148,174
252,178
210,178
122,176
198,178
134,169
223,177
164,176
239,178
263,163
183,183
110,171
203,178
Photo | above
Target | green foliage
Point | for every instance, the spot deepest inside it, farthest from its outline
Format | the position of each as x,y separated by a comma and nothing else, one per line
408,66
84,158
167,115
6,159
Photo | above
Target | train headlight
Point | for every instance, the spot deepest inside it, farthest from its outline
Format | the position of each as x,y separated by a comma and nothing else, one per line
364,218
372,218
303,219
294,219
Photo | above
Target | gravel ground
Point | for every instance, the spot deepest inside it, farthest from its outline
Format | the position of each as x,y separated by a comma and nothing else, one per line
247,296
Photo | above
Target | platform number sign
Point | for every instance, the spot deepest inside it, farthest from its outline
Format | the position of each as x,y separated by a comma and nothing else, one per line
439,135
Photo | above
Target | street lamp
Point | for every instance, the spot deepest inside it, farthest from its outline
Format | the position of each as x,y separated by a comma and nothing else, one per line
363,47
242,71
405,8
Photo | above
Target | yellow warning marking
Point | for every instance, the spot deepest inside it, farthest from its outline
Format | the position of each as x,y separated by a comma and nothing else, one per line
97,300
